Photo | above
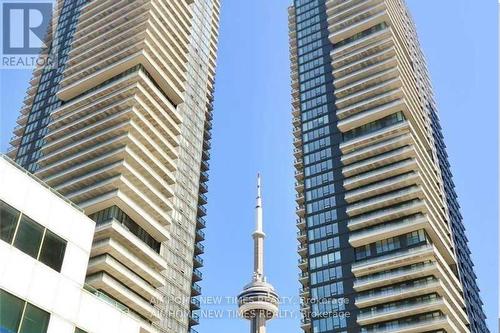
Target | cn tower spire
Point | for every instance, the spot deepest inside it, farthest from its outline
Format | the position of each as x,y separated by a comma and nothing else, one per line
258,236
258,302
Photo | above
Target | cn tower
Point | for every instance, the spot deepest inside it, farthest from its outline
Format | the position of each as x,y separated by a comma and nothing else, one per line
258,302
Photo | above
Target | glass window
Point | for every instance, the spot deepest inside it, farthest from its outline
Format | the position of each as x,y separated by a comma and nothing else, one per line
415,237
29,236
35,320
52,253
8,221
11,310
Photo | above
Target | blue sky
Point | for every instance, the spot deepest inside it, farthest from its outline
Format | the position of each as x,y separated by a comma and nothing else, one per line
252,132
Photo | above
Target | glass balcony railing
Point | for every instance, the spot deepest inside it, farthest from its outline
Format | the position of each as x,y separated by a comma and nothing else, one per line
200,248
201,223
200,234
393,255
381,227
196,288
393,273
197,273
198,260
396,326
202,211
195,302
384,211
106,298
398,308
397,290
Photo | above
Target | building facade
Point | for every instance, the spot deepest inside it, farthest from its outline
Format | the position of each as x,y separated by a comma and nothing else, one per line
382,244
45,246
119,123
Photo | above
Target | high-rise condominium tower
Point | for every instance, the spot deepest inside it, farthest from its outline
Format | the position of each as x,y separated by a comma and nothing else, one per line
120,125
382,243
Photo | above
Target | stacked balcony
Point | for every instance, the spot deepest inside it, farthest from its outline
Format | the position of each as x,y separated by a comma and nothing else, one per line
389,174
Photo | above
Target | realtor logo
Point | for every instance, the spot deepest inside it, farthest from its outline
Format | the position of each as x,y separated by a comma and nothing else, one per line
24,26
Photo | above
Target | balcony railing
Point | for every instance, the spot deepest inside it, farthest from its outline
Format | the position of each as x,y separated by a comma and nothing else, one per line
196,288
198,261
398,308
106,298
397,290
396,326
392,274
390,256
195,303
197,273
199,248
200,234
200,223
202,211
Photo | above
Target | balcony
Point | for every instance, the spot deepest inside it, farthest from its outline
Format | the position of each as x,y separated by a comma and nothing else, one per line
199,248
305,324
194,319
428,325
106,298
302,249
384,186
206,144
304,292
200,235
202,199
300,210
202,211
380,232
197,275
197,261
204,176
395,294
303,277
385,200
400,311
195,289
394,260
387,214
299,198
301,223
195,303
379,174
395,276
205,166
297,142
297,131
200,223
301,236
205,155
303,264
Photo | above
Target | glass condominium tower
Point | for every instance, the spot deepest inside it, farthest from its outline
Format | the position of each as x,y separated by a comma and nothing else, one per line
120,124
382,244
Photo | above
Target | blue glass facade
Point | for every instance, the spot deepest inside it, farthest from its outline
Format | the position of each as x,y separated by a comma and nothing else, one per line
45,100
329,253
